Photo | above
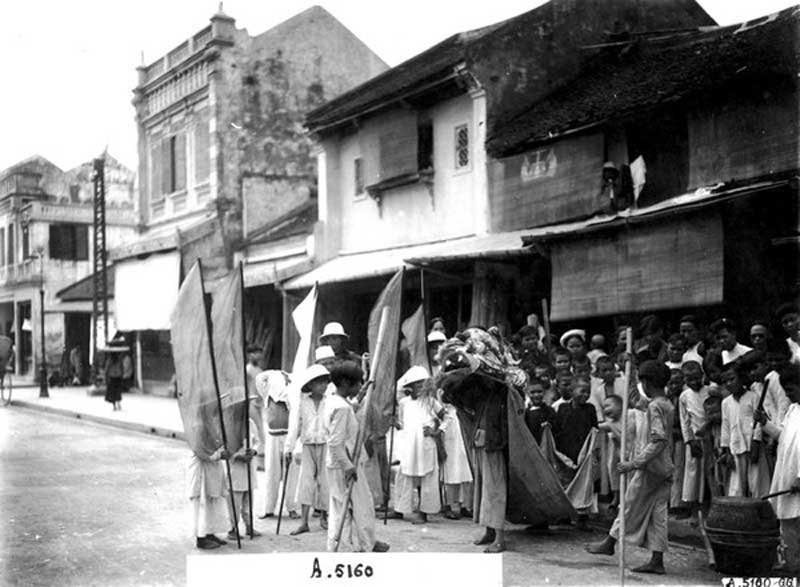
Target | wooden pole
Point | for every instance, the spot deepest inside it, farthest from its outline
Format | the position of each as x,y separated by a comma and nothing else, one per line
285,466
623,480
246,404
424,315
219,403
360,436
546,322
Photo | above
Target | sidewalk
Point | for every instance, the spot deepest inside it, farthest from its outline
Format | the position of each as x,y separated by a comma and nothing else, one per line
140,412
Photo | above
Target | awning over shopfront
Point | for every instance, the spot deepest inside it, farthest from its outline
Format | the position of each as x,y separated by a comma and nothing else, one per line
269,272
375,263
671,264
146,290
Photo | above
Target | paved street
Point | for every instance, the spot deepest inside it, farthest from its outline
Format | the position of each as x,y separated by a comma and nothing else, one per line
85,504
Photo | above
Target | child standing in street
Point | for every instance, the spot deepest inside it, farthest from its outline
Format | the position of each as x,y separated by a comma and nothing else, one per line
241,461
612,426
306,429
692,415
648,490
419,416
537,413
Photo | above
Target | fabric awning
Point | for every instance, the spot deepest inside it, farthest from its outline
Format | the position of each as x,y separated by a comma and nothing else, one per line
672,264
269,272
375,263
145,291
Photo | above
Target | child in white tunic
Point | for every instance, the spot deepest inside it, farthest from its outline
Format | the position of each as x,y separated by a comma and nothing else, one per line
692,414
241,461
419,418
456,472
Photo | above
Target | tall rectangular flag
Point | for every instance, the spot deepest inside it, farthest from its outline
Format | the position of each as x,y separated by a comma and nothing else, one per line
191,352
384,366
226,319
303,318
414,332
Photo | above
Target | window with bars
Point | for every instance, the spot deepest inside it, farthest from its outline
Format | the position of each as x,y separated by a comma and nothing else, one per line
462,146
358,175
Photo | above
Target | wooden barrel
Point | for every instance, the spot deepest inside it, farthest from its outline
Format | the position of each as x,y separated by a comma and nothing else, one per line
744,534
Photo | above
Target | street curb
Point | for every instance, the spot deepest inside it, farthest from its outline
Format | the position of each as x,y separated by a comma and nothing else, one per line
131,426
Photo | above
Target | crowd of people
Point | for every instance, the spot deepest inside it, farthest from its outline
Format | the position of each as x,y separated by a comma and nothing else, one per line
711,413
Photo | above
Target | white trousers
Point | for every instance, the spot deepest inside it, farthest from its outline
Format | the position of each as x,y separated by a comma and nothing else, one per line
273,455
429,500
210,516
359,526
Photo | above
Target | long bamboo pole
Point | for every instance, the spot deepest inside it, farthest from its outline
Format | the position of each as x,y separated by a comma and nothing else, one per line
623,479
246,405
360,436
219,402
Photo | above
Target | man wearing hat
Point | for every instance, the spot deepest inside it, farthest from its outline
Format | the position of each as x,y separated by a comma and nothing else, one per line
307,428
436,339
334,336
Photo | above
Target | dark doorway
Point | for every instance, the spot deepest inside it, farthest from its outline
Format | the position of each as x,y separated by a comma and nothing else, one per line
77,329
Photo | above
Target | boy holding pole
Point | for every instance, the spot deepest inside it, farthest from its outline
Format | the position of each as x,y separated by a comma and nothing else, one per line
643,518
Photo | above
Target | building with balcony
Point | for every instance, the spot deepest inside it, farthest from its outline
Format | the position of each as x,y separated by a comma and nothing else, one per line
46,219
223,155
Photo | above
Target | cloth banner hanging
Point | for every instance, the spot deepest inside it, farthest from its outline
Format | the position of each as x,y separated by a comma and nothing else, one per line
581,490
378,418
414,332
145,292
191,352
226,318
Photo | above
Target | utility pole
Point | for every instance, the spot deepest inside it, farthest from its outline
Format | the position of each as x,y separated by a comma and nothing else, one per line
99,276
43,391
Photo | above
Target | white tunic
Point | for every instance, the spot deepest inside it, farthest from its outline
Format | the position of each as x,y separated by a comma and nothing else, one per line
737,422
795,350
417,452
598,394
691,412
456,466
776,402
787,466
735,353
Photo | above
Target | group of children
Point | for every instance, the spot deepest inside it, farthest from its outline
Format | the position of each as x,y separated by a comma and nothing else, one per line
705,416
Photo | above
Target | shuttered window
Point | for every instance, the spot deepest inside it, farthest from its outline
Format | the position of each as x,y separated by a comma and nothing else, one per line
202,156
10,250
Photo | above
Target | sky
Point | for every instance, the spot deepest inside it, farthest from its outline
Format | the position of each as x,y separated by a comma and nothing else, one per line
69,68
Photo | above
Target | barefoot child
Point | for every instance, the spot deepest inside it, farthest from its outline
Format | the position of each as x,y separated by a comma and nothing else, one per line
612,426
692,415
647,494
306,424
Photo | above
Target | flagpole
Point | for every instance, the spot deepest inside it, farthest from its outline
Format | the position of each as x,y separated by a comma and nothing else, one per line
391,426
360,435
246,405
219,402
623,481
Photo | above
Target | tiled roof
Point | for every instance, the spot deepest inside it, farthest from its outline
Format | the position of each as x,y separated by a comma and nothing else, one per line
641,76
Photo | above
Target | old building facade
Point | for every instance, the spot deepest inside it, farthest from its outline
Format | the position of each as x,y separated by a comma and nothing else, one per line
46,219
222,154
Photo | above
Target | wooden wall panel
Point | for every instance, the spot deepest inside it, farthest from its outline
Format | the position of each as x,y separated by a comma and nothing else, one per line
745,136
553,184
667,264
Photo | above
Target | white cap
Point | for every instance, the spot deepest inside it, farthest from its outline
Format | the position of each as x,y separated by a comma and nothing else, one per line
416,373
310,374
333,329
436,336
323,352
570,333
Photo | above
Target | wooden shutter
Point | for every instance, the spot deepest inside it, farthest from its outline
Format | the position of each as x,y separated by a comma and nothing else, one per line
81,243
155,171
398,146
11,259
180,162
202,157
166,165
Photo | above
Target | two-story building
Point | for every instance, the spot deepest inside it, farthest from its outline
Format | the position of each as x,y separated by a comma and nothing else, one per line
223,156
46,219
403,173
663,178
